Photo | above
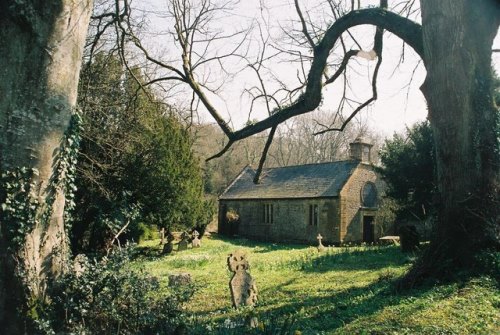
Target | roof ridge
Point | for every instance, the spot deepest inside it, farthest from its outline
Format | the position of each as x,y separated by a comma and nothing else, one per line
308,164
313,180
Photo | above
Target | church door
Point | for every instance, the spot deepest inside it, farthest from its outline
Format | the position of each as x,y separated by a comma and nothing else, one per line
368,229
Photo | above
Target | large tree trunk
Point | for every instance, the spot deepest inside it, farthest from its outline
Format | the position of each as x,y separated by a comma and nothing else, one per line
458,37
41,50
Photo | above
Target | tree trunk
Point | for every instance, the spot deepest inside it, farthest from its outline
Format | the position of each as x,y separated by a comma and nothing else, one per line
41,52
458,37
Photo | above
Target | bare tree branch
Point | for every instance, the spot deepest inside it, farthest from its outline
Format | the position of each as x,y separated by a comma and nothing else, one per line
191,27
304,26
264,155
222,152
342,66
404,28
377,48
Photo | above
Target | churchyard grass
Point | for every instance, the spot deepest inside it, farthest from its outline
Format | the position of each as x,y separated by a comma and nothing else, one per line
343,290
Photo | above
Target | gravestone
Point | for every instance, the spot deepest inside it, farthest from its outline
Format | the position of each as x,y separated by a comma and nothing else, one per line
183,244
169,247
196,241
179,279
321,247
162,236
242,285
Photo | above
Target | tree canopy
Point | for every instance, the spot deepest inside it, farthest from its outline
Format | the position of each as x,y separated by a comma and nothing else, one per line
408,167
135,155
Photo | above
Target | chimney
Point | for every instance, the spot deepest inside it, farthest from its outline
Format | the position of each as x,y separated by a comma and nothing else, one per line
361,150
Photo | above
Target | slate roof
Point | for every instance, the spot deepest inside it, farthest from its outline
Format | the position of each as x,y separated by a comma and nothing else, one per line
301,181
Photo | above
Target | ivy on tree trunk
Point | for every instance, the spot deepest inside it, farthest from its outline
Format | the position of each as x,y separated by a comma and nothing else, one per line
41,56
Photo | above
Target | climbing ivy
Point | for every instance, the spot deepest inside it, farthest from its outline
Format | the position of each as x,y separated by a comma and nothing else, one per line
18,208
66,169
21,209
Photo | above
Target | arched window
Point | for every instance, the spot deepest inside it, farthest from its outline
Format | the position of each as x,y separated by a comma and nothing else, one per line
369,195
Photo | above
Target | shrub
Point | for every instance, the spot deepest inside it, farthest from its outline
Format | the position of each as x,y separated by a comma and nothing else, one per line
231,223
145,232
109,297
488,262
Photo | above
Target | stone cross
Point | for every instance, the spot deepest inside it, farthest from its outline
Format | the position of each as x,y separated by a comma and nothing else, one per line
321,247
183,244
242,285
169,247
196,241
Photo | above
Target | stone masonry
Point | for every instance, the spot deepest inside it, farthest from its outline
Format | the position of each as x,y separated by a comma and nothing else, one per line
279,207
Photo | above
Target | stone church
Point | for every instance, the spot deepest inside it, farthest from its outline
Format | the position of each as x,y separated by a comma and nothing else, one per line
338,200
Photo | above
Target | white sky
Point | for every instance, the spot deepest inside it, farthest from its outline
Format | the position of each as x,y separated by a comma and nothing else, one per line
399,103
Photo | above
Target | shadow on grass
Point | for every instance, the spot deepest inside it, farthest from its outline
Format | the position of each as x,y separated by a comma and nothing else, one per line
147,253
354,258
334,311
260,246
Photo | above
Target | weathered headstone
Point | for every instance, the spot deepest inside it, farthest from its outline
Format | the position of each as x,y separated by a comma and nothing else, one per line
169,247
196,241
183,244
162,236
179,279
321,247
242,285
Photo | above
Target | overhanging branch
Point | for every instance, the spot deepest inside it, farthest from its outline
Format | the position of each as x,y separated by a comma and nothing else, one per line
222,152
377,52
264,155
409,31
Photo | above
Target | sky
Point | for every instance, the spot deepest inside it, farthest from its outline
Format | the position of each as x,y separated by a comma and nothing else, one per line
400,102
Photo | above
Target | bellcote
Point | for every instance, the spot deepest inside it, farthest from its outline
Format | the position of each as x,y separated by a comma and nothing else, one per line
361,150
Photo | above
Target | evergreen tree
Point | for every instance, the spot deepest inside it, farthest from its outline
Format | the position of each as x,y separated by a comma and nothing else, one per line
408,162
135,156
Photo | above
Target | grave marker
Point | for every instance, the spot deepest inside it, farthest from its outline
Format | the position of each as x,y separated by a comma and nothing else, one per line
183,244
196,241
242,285
169,247
162,236
321,247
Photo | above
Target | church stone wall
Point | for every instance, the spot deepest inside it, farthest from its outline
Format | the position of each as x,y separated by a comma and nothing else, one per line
352,210
290,219
341,219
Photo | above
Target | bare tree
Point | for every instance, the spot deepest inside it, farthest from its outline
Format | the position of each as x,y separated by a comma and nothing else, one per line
454,42
297,142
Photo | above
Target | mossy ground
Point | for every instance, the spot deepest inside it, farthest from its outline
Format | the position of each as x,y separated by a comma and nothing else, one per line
347,290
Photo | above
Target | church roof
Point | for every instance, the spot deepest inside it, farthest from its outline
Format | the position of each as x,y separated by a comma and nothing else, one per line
301,181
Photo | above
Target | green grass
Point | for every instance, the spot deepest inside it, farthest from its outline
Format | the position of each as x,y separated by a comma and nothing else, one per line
346,290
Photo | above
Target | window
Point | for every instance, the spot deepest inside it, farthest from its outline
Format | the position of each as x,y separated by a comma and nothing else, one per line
313,215
366,153
268,213
369,195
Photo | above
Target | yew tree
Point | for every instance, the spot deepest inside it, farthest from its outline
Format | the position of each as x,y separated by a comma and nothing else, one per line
408,169
135,157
